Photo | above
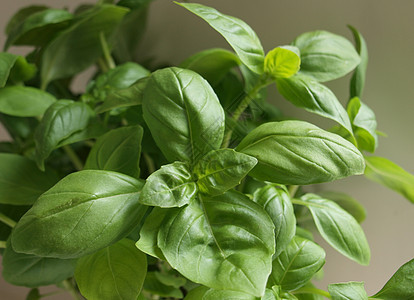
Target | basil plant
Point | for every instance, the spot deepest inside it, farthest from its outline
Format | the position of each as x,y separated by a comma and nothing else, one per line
181,182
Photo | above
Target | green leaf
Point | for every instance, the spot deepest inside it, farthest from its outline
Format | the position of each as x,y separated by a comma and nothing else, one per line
326,56
115,272
364,124
401,284
358,79
203,293
219,243
23,101
34,294
305,92
298,153
238,34
60,121
389,174
212,64
7,61
308,295
33,271
348,203
276,202
295,266
170,186
22,71
171,279
84,212
118,150
154,286
21,182
21,15
78,47
339,228
348,291
39,28
183,114
282,62
220,170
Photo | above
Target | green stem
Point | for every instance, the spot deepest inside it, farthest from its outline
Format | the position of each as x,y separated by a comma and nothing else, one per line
6,220
292,190
149,162
2,244
312,290
71,289
106,53
73,157
299,202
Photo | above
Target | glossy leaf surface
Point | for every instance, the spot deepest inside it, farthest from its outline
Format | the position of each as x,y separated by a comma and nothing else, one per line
348,203
348,291
118,150
238,34
282,62
220,170
339,228
294,267
297,152
23,101
219,243
115,272
358,78
170,186
183,114
84,212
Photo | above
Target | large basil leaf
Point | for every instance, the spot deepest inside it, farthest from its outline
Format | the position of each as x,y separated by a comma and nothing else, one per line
282,62
170,186
219,243
220,170
277,204
305,92
61,120
21,182
348,203
238,34
358,79
84,212
78,47
401,284
23,101
298,153
339,228
389,174
39,28
212,64
326,56
295,266
118,150
183,114
115,272
348,291
7,61
32,271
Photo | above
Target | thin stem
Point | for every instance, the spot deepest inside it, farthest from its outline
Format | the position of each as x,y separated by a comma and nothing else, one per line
102,65
312,290
149,162
71,289
6,220
106,53
2,244
292,190
299,202
73,157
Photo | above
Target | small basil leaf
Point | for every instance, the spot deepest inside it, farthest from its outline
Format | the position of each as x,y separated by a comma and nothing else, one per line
32,271
171,279
389,174
39,28
401,284
358,79
348,203
118,150
220,170
21,101
217,234
154,286
305,92
78,47
21,182
7,61
339,228
295,266
348,291
212,64
298,153
326,56
60,121
170,186
115,272
21,15
84,212
238,34
282,62
276,202
183,114
22,71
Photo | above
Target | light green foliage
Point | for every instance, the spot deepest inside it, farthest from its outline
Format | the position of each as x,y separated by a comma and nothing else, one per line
348,203
282,62
358,78
348,291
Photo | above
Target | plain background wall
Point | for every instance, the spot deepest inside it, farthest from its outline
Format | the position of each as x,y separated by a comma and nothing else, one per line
173,34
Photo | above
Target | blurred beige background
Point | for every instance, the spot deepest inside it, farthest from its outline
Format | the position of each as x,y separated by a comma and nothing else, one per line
173,34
